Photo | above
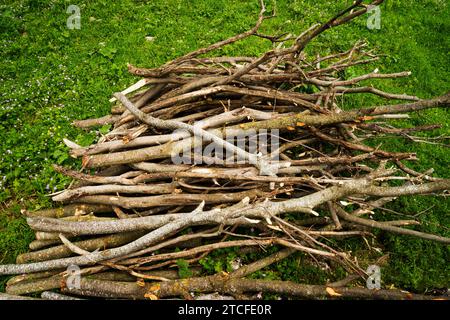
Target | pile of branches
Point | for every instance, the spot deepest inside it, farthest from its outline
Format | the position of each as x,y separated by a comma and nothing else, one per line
167,183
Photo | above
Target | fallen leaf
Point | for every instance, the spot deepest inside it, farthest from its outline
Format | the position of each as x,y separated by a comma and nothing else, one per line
290,128
332,293
409,296
392,287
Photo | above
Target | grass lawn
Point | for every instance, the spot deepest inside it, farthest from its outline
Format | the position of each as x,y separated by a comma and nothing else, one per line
50,76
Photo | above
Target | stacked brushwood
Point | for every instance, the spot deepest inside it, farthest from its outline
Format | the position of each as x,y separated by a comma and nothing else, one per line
150,194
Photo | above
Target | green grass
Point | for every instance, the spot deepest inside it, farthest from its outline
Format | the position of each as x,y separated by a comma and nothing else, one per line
51,75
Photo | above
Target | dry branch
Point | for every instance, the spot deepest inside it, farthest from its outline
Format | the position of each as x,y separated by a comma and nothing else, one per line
281,163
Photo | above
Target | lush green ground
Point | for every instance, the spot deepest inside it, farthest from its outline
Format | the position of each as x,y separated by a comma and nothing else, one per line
51,75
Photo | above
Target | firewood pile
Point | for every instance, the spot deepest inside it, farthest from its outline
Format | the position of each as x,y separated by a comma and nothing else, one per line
206,153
